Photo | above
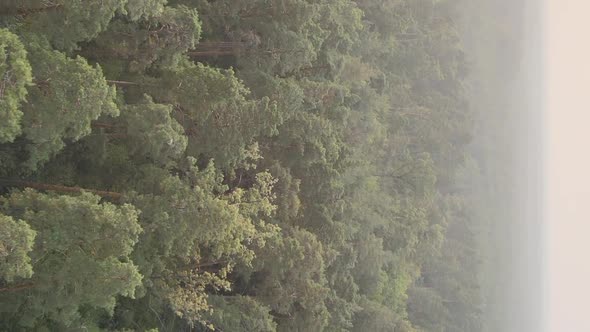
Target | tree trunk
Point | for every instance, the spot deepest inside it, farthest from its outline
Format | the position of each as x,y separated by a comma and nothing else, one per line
17,287
20,11
210,264
210,53
307,71
217,48
59,188
96,124
122,82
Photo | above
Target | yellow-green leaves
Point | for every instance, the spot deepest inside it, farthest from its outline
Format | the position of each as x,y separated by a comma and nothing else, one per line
196,231
16,241
15,76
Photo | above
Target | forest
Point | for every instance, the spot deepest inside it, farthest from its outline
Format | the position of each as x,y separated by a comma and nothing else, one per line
237,165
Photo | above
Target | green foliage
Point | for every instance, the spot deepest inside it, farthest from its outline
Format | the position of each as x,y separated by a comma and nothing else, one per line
80,258
289,278
15,72
70,93
138,9
214,109
290,165
153,132
375,317
282,37
427,309
160,38
196,232
287,194
240,314
65,23
16,241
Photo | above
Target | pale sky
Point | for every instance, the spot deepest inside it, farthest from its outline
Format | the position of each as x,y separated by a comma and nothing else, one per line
567,164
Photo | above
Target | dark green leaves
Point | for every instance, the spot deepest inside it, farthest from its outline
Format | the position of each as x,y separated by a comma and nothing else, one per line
80,256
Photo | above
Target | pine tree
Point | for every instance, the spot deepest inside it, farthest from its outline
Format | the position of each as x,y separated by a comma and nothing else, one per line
67,95
80,258
196,232
160,39
213,106
15,73
16,242
151,131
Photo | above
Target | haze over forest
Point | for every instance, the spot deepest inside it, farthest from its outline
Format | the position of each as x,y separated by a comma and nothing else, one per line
270,165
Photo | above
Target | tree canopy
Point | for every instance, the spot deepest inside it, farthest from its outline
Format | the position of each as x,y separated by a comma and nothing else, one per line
232,165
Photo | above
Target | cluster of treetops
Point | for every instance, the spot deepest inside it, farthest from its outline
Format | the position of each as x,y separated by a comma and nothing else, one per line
235,165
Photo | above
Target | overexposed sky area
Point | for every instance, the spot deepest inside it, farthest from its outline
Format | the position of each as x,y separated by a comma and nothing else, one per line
567,164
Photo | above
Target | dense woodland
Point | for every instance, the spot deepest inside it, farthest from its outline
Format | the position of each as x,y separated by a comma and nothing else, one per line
236,165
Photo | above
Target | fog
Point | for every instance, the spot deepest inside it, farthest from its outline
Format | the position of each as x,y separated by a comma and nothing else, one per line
508,57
